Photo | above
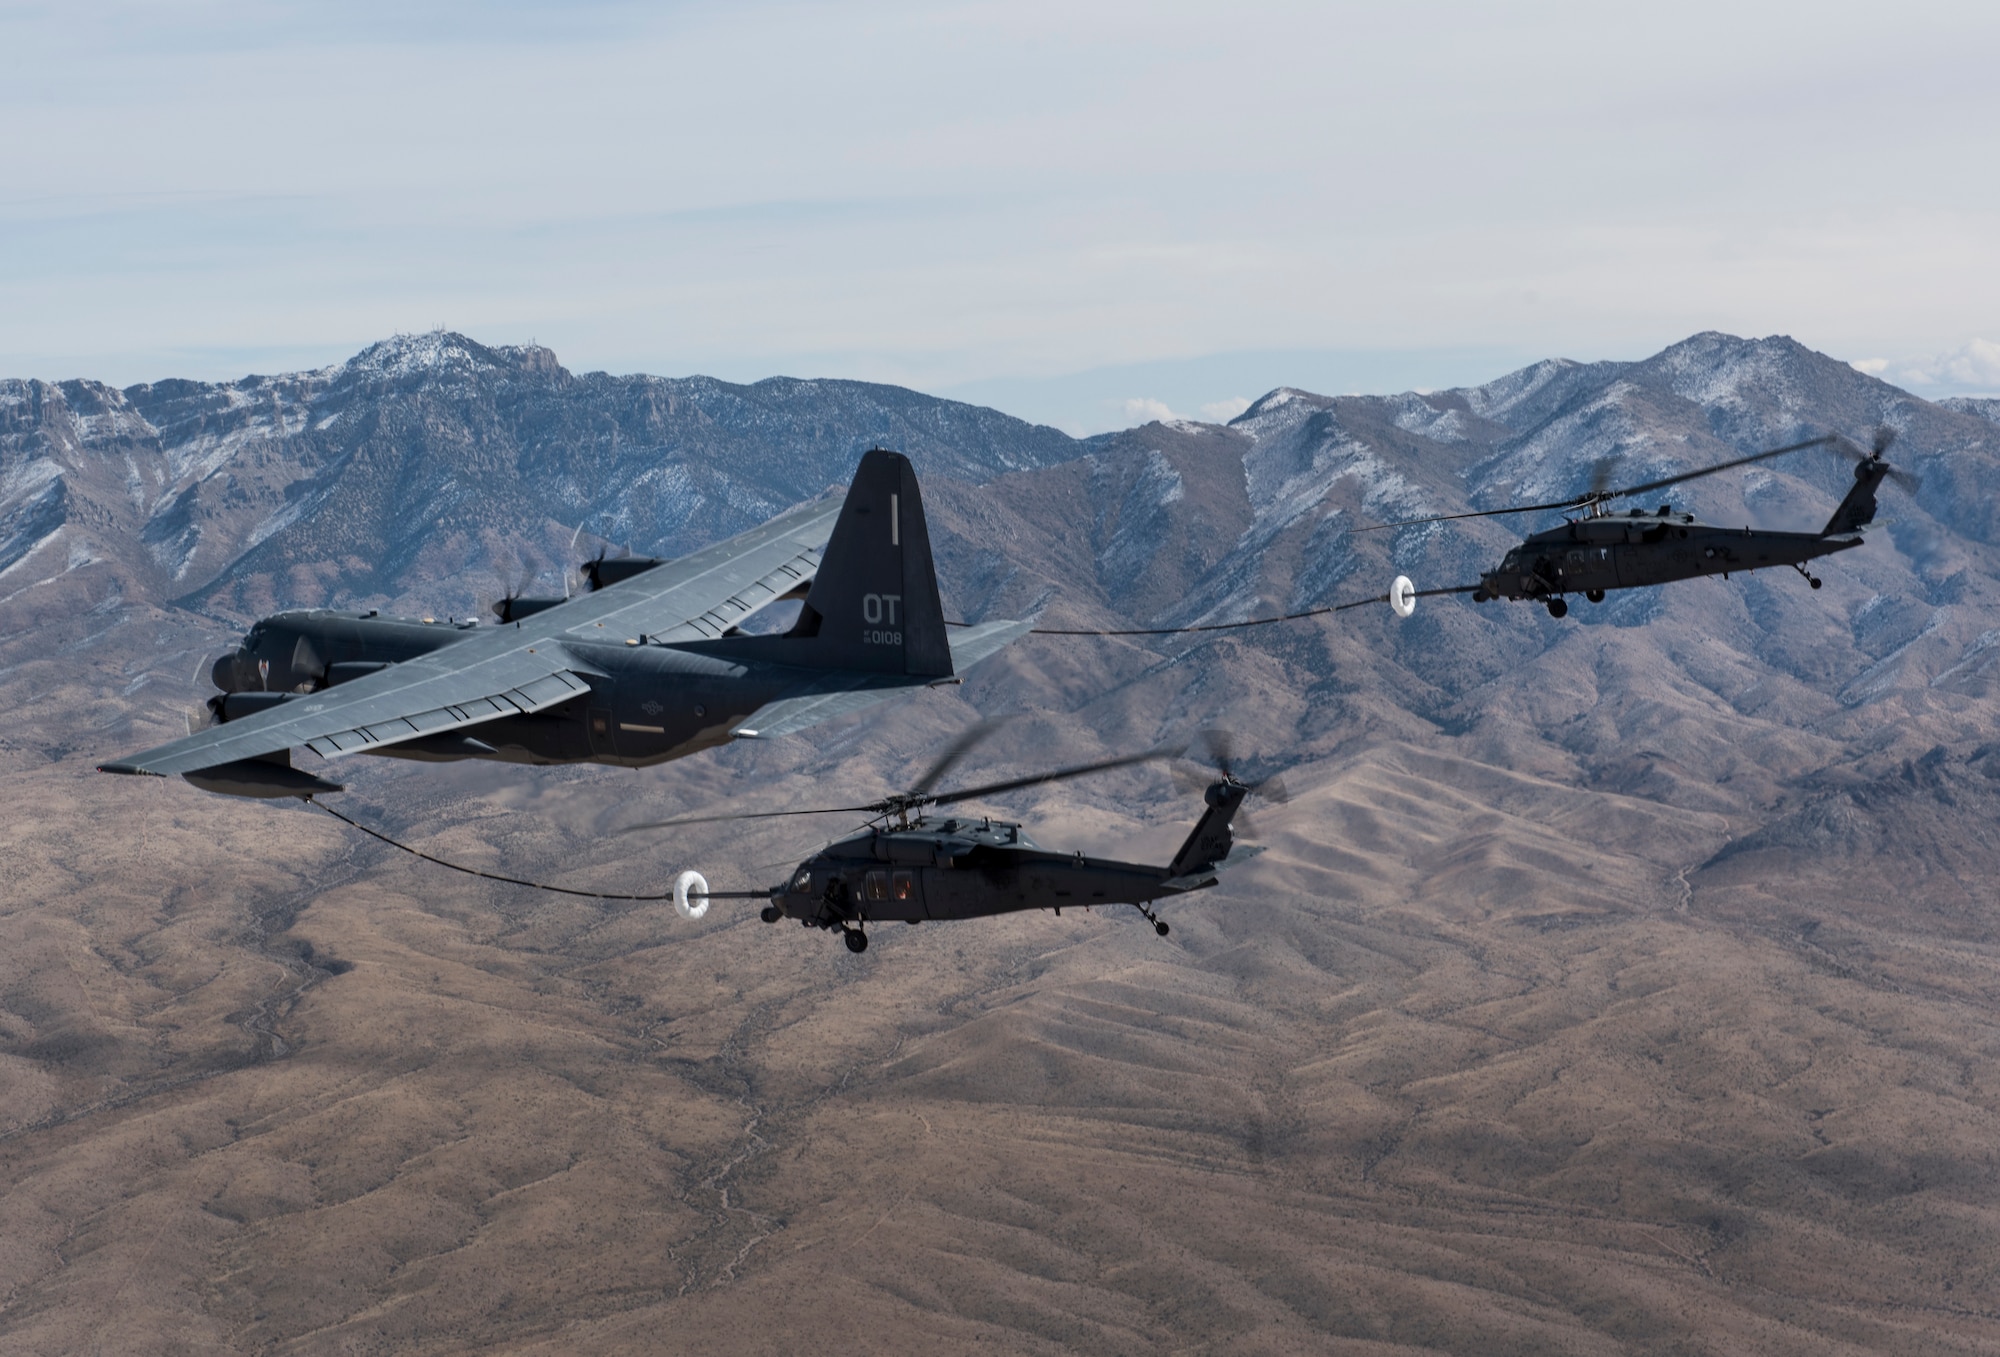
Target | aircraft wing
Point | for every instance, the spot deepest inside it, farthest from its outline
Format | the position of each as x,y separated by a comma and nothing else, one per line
521,667
700,596
836,694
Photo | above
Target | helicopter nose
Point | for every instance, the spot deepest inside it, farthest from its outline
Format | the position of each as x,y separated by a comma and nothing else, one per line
223,675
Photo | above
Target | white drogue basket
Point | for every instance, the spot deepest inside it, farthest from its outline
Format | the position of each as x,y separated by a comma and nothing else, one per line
691,895
1403,596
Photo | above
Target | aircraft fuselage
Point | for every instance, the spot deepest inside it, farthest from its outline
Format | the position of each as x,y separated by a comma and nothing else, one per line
647,703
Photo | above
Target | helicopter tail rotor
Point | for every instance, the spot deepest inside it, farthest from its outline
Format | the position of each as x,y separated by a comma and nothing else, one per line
1220,748
1879,444
1857,510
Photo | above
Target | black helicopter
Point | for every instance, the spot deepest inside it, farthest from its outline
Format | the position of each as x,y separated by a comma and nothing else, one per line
913,867
1601,550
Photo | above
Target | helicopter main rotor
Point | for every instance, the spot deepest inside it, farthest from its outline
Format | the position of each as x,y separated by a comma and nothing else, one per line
898,806
1593,500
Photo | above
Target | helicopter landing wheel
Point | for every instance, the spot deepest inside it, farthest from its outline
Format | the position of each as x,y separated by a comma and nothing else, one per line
857,941
1160,927
1594,595
1558,607
1813,580
770,914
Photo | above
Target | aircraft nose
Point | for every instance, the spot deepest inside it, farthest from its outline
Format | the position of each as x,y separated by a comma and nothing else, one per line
223,675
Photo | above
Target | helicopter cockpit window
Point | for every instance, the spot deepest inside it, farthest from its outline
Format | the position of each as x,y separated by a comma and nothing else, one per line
878,885
904,885
803,881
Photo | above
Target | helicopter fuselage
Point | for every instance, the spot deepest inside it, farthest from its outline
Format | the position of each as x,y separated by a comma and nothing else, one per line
1594,555
960,868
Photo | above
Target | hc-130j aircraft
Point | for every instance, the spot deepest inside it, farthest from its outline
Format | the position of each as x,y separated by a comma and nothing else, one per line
649,665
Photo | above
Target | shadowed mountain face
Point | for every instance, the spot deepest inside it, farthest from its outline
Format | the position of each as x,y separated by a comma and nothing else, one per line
1620,984
431,456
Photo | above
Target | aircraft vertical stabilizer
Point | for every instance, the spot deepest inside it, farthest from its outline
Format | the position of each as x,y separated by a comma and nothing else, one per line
874,604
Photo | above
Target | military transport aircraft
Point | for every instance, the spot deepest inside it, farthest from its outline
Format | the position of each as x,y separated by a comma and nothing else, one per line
649,665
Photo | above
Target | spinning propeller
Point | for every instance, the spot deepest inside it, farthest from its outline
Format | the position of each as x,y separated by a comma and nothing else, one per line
525,569
1908,482
1220,748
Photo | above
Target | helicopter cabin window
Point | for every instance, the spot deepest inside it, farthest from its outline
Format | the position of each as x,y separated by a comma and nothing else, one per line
878,885
903,885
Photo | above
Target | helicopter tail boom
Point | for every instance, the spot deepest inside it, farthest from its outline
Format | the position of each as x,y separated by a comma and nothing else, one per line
1210,841
1858,509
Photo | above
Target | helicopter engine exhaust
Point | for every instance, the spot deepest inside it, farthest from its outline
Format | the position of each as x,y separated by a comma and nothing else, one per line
1403,596
691,895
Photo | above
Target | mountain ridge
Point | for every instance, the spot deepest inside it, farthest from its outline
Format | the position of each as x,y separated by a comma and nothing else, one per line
1625,983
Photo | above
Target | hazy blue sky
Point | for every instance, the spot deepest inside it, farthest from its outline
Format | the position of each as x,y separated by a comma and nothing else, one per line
1080,212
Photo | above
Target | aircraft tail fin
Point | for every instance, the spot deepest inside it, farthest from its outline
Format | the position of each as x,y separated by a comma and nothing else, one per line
873,606
1858,509
1211,839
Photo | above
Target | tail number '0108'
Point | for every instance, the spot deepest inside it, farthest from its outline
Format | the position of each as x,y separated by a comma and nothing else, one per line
878,610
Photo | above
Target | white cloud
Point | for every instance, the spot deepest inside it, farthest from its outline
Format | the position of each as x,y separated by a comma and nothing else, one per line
1145,410
1036,221
1973,367
1222,411
1976,364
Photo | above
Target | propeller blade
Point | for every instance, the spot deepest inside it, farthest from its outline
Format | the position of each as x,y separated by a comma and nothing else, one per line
1061,774
1474,513
1663,482
747,815
1907,481
955,751
204,716
1594,496
1221,746
1600,476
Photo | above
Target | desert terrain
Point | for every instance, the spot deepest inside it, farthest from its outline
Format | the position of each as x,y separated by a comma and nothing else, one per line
1624,986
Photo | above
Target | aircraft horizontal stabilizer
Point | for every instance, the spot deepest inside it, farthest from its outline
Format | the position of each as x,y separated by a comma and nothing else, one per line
837,694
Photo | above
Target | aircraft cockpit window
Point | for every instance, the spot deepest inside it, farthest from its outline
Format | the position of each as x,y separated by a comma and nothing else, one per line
878,885
904,885
803,881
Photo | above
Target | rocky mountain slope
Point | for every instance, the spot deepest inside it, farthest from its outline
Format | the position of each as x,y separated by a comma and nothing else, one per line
1624,983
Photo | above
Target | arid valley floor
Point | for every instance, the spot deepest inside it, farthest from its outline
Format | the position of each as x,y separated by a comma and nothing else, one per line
1625,986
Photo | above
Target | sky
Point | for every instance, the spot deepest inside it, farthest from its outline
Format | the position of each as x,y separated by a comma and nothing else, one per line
1089,214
